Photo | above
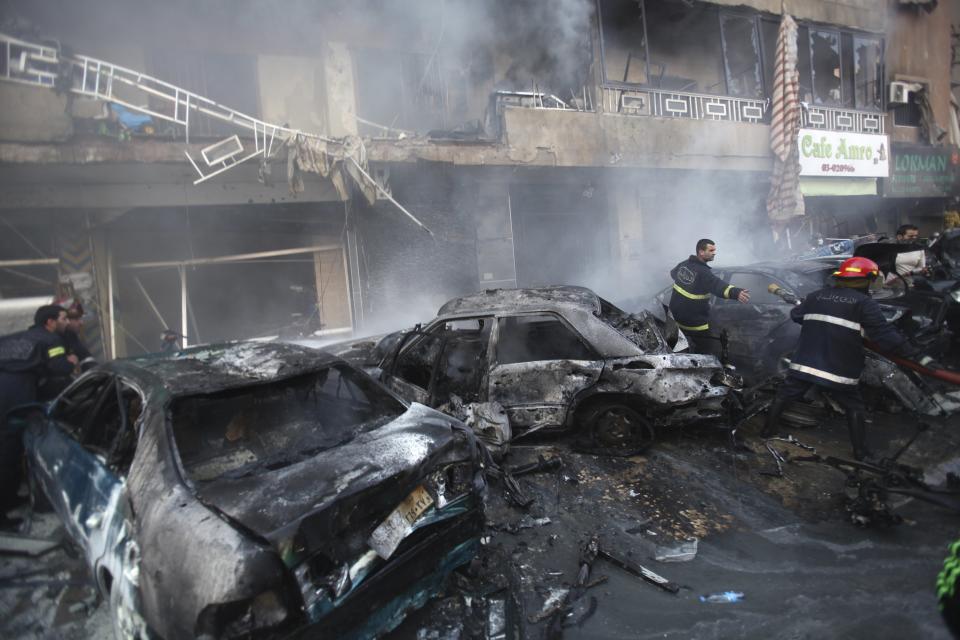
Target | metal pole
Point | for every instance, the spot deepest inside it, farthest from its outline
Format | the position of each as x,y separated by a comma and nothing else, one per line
183,305
146,295
113,318
30,263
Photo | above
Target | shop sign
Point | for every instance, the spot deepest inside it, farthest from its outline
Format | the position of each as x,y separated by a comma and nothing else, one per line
843,154
923,172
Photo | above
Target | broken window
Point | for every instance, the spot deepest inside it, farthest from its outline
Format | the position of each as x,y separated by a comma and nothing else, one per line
536,338
685,47
769,30
670,45
102,414
253,430
868,72
415,364
741,48
825,67
463,360
624,41
449,360
840,69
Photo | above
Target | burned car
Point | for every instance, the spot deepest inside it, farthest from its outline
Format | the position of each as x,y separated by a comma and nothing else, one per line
254,490
554,358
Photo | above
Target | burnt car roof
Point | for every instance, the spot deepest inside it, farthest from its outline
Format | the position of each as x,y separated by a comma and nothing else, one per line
221,366
558,297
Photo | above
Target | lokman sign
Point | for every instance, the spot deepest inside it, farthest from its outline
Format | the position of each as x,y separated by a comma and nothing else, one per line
837,153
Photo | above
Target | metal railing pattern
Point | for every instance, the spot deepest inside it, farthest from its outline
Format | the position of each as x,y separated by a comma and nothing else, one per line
834,119
682,104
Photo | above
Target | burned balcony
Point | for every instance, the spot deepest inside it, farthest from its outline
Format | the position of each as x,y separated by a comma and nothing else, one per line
701,61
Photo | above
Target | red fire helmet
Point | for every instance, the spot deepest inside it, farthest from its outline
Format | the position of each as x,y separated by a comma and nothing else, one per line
857,268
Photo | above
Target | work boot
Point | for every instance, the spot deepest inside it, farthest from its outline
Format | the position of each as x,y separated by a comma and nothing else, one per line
856,423
773,416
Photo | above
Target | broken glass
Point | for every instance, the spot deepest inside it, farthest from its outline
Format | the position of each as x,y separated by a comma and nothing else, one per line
686,53
741,47
624,44
256,429
868,73
825,66
462,361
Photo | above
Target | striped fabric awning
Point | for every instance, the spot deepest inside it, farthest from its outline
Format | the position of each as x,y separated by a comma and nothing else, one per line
785,200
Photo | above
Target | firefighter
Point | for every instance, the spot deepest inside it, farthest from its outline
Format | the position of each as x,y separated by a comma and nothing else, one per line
693,284
27,360
829,354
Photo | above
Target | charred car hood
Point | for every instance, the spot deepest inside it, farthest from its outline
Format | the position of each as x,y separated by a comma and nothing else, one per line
390,459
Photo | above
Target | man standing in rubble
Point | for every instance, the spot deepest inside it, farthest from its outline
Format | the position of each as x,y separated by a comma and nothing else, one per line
27,360
909,263
693,284
829,354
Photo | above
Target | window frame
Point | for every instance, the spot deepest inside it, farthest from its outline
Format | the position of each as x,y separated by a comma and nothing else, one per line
495,360
429,332
757,18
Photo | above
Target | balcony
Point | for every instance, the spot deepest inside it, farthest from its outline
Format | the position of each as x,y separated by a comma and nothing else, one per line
635,101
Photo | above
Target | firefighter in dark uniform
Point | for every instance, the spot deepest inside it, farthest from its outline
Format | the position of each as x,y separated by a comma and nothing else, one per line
693,284
829,353
27,361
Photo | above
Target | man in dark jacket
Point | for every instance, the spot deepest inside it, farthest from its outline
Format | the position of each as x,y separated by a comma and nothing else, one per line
693,284
829,354
27,360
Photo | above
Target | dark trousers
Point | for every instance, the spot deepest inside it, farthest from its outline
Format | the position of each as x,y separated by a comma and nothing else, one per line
794,388
705,342
15,389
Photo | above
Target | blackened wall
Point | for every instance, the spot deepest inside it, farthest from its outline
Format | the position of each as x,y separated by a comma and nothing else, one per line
406,273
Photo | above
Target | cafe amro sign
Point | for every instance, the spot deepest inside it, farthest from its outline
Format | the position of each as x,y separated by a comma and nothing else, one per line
843,154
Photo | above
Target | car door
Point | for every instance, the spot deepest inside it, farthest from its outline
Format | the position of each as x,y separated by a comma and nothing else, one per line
540,364
78,455
448,359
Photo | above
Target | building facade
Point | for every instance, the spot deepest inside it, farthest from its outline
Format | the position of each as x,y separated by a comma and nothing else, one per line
582,142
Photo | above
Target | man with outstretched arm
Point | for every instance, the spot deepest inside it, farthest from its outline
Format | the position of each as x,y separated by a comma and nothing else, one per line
693,284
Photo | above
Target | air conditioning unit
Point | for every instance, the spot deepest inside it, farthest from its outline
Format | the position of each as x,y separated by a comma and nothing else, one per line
900,92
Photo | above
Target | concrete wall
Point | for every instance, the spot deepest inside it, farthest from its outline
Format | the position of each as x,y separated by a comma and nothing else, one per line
292,92
33,114
408,274
918,46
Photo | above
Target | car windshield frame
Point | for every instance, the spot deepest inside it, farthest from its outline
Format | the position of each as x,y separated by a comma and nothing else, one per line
255,399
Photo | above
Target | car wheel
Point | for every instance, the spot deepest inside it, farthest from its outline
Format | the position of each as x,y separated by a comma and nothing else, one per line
617,429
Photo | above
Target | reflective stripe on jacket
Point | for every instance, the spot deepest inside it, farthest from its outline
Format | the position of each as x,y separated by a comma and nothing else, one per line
830,349
693,284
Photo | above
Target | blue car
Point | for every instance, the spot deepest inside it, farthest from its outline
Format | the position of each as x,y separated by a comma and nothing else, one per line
255,490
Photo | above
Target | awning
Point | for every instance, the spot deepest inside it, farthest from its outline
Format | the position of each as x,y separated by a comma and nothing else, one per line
818,186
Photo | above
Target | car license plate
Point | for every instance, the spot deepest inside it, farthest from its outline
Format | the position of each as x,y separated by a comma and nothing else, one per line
387,537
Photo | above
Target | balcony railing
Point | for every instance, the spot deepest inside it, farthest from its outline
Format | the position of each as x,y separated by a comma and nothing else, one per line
682,104
635,101
833,119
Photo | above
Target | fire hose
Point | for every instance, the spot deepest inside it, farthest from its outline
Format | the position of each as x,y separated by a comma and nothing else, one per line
951,377
945,375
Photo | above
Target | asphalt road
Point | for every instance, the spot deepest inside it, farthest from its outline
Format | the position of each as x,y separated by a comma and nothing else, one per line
786,543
